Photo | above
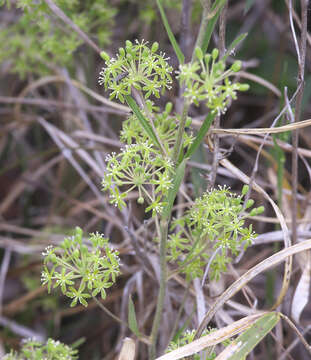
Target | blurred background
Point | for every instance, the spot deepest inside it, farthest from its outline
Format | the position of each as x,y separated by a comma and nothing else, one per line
57,126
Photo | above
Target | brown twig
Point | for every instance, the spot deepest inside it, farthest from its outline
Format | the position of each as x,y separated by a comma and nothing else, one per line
59,13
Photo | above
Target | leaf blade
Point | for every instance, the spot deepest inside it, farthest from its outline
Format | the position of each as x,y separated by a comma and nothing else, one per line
246,342
143,121
211,24
179,175
132,321
178,52
200,136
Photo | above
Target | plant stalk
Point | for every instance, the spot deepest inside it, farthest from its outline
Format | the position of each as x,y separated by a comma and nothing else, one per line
162,290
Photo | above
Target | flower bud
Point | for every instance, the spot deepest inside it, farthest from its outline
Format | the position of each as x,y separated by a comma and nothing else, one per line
215,54
207,58
243,87
128,44
104,56
249,203
245,190
199,53
154,47
140,200
78,234
121,52
236,66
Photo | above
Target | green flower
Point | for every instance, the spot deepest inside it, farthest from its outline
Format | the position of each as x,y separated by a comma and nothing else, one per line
212,230
34,350
78,295
206,79
136,66
85,269
138,166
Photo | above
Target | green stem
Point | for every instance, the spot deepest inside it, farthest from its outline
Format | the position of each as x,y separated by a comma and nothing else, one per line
180,132
165,221
161,296
199,42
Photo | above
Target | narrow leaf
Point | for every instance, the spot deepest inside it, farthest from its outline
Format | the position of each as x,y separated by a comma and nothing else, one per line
212,22
179,175
201,134
132,318
143,121
245,343
233,45
178,52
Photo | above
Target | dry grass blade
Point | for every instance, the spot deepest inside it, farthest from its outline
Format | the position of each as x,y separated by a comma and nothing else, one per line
280,129
287,240
261,81
21,184
211,339
54,79
128,350
301,295
302,292
250,274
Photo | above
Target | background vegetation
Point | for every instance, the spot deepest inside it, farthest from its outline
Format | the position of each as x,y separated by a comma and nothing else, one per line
57,126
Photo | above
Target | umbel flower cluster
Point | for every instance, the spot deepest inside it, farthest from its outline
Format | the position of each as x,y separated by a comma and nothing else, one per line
207,80
136,66
34,350
211,232
81,270
138,166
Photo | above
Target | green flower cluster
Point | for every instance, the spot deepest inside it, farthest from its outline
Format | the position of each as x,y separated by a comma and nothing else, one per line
34,350
138,166
206,79
165,124
31,42
136,66
211,232
81,270
187,337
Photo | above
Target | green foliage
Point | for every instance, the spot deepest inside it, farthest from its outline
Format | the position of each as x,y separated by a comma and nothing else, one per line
186,338
39,41
212,230
136,66
207,79
165,123
81,270
51,350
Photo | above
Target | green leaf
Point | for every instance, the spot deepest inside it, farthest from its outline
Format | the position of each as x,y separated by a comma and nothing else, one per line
218,4
251,337
233,45
201,134
143,121
132,318
179,175
178,52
